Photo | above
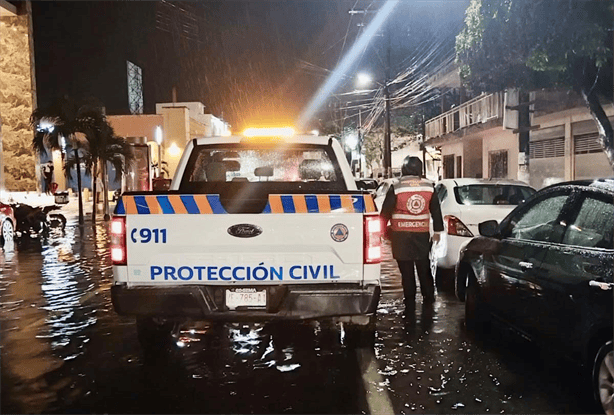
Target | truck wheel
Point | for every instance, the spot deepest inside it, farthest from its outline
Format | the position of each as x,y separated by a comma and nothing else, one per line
360,337
154,336
603,377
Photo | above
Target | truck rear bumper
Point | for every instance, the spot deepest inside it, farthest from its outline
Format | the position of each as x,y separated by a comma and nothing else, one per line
284,302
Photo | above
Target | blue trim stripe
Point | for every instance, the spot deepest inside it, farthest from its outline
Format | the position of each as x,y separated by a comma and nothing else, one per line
312,203
165,205
119,208
216,205
288,203
359,204
335,202
141,205
190,204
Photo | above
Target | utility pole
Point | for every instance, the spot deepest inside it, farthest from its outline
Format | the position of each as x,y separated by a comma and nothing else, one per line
522,127
423,131
387,146
387,149
360,142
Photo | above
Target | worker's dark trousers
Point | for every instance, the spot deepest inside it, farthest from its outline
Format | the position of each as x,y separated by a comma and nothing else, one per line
427,286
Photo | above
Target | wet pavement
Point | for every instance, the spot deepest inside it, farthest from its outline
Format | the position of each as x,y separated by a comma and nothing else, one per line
64,350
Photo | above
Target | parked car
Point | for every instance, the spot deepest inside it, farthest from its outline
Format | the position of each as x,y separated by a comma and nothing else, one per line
7,224
546,271
380,192
367,184
466,202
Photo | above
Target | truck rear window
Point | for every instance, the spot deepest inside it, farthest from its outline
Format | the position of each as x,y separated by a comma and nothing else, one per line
281,166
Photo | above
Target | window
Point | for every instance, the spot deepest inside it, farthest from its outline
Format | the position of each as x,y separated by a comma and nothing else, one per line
258,164
540,222
553,147
459,166
491,194
497,164
594,224
448,166
215,168
135,88
441,192
587,143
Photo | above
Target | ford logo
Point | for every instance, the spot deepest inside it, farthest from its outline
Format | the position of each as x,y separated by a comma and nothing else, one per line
244,230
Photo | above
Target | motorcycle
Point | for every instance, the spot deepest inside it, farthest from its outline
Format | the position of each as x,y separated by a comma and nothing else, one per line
35,221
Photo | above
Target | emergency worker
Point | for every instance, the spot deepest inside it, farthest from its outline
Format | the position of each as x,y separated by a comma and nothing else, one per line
409,205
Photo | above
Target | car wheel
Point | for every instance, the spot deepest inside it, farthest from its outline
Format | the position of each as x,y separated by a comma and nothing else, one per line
7,234
603,377
154,336
475,313
461,281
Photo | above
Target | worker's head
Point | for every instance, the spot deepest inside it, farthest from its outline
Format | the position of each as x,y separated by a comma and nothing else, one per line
412,166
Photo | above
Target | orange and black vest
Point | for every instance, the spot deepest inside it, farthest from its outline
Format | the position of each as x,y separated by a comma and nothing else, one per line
412,210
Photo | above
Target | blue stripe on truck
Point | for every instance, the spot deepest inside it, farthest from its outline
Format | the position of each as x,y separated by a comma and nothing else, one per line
139,204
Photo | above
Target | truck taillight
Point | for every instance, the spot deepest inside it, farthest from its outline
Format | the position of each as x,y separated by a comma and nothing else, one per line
372,240
456,227
118,240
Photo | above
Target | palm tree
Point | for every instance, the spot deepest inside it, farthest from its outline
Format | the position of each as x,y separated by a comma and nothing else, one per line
87,129
102,147
63,120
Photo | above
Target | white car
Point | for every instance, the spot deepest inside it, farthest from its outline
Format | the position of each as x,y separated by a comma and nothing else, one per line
467,202
380,192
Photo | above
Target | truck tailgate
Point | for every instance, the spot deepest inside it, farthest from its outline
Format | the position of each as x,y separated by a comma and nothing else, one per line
190,239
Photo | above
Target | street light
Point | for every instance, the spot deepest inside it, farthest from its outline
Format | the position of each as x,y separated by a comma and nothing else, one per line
363,79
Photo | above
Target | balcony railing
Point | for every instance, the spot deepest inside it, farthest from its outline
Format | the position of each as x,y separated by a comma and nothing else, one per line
476,111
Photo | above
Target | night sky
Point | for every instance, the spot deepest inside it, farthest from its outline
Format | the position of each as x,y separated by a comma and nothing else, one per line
248,61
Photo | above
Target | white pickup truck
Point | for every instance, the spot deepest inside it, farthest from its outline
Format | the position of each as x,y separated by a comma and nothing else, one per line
257,227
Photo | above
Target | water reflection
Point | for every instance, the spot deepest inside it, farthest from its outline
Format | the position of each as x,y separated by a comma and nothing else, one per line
26,358
283,347
46,292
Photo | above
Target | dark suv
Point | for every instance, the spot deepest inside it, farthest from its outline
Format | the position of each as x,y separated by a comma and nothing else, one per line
546,271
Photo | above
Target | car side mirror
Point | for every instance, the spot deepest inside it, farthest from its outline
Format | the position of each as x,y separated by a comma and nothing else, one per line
488,228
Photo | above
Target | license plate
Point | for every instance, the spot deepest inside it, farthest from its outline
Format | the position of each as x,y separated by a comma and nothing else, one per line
245,298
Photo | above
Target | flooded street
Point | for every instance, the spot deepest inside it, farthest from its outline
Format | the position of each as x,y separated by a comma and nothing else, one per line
64,350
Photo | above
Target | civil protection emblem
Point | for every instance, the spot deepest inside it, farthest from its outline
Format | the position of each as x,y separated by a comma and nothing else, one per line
339,232
416,204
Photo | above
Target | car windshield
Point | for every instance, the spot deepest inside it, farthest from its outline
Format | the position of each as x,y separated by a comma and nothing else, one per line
490,194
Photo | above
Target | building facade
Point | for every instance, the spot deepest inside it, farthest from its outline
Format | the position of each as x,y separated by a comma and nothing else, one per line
563,142
167,132
19,170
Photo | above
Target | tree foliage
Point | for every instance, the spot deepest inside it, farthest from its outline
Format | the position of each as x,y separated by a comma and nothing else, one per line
86,129
533,44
